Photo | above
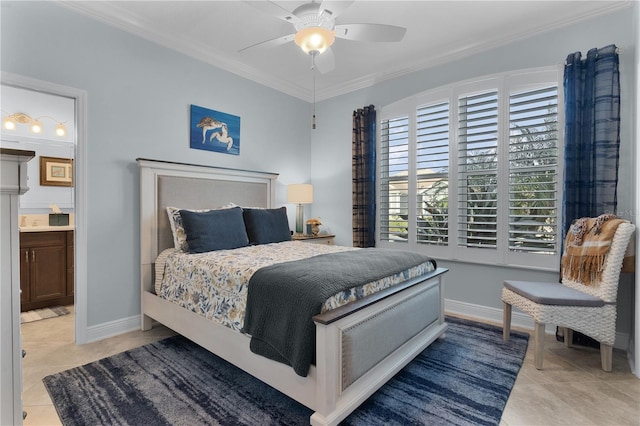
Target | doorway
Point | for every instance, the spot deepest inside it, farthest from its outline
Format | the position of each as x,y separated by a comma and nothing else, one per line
71,197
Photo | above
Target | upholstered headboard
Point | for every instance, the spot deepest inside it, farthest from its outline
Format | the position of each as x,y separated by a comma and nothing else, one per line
202,193
189,186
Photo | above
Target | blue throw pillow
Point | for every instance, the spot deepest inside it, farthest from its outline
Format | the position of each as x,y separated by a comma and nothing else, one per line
266,226
214,229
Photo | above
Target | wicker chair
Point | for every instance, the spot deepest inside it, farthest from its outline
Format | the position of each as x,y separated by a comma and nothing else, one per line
590,310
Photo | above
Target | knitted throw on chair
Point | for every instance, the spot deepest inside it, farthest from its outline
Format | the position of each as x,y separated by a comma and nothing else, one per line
586,247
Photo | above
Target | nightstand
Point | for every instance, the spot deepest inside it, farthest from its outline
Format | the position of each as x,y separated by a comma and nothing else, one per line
319,239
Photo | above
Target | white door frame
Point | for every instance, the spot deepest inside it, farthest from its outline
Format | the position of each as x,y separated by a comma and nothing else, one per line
80,187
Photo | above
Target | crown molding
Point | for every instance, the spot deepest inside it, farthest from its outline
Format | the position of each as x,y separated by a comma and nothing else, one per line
451,55
114,15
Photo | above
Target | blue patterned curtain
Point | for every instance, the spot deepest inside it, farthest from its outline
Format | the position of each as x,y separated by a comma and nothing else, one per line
364,177
591,142
592,134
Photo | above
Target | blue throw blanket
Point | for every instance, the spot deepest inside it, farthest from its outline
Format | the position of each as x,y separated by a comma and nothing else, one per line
283,298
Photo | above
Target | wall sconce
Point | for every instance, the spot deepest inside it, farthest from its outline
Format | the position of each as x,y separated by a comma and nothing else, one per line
11,121
301,193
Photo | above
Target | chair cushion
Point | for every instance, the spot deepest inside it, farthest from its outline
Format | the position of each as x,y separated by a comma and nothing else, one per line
552,294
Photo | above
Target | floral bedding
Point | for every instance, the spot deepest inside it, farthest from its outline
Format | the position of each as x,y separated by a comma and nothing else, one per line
214,284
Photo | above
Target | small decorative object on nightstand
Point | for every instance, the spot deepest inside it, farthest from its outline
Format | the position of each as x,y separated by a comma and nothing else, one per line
313,226
316,239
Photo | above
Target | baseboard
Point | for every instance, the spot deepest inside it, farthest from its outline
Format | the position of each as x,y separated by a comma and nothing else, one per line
113,328
518,319
484,313
631,357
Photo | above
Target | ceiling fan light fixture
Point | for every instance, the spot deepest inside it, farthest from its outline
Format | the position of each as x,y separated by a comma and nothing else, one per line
315,39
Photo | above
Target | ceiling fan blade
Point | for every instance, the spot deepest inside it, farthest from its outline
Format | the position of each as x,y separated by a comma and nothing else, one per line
325,62
370,32
274,9
335,7
270,43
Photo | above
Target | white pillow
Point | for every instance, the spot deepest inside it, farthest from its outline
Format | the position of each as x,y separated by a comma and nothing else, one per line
177,229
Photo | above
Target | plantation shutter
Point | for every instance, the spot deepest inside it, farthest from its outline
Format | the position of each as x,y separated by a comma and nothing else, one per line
533,170
478,170
394,184
432,174
472,171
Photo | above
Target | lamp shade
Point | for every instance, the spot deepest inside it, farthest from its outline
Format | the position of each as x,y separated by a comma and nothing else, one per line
36,126
61,130
300,193
9,123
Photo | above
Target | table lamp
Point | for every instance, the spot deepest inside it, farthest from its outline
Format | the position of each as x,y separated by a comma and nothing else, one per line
300,193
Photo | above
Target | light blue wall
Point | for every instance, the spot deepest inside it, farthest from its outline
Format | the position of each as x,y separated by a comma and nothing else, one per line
138,106
469,283
138,101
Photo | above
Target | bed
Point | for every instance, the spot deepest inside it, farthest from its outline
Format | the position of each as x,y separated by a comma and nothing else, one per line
359,346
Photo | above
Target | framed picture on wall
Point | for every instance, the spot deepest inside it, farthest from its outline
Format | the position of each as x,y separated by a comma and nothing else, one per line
56,171
214,131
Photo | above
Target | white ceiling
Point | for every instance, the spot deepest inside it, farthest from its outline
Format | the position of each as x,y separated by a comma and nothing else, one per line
437,32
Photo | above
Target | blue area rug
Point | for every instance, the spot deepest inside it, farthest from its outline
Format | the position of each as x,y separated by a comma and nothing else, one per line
464,378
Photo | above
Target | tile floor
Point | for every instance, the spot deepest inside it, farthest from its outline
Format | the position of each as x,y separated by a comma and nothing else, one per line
571,390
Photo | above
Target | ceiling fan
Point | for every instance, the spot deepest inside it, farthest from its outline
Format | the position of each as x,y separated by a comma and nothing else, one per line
316,29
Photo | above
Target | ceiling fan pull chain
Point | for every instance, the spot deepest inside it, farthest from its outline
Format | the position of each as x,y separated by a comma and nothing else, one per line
313,74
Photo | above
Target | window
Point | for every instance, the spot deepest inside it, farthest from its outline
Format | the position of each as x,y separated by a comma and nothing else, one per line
478,170
471,171
533,170
394,179
432,174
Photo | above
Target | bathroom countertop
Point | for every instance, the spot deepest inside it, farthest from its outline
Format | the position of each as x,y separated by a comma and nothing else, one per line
46,228
40,223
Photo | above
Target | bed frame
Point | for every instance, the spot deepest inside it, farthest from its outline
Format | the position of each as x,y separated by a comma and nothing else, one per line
360,346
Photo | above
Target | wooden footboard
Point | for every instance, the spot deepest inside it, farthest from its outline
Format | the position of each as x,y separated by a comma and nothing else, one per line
363,345
360,346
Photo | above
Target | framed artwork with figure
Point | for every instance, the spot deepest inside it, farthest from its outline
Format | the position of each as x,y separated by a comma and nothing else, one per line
214,131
